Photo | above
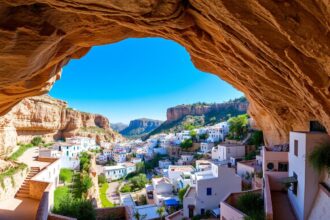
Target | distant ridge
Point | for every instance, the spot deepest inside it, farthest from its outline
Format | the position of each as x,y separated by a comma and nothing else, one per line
118,126
140,127
200,114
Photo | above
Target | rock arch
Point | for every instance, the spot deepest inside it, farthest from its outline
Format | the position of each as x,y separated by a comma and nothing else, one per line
275,51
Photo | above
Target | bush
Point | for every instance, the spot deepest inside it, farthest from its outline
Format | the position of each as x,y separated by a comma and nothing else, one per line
203,136
84,161
101,179
257,138
182,192
252,204
66,175
77,208
126,188
36,141
319,158
186,144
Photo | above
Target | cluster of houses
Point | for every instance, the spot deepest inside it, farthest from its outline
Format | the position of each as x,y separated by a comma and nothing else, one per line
215,182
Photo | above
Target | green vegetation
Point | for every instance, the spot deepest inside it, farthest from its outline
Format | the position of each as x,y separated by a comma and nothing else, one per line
188,143
101,179
193,135
238,127
252,204
22,148
36,141
151,164
140,168
60,194
81,185
10,173
103,196
319,158
85,161
161,212
138,216
182,192
251,155
77,208
217,113
203,136
135,183
66,175
257,138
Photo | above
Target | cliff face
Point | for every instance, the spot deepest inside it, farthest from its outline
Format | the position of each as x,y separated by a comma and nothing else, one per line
178,112
277,52
140,127
50,118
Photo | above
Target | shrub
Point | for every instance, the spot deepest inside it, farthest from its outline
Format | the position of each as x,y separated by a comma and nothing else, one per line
319,158
238,126
36,141
126,188
84,161
102,179
22,148
66,175
252,205
203,136
77,208
182,192
257,138
186,143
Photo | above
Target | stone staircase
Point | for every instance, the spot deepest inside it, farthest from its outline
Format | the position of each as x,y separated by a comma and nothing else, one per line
23,191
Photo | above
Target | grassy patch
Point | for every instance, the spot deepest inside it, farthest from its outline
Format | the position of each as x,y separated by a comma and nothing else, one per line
22,148
66,175
60,193
103,196
10,172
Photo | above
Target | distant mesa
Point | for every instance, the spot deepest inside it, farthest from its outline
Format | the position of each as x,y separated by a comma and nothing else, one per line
140,127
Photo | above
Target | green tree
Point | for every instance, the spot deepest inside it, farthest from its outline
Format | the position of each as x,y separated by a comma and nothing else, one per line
257,138
101,179
238,126
140,167
161,212
193,135
182,192
36,141
203,136
186,143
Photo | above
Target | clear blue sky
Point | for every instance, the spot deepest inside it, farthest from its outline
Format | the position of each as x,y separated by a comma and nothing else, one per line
137,78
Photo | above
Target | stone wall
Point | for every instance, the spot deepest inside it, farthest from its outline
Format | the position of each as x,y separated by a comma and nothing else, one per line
11,185
116,213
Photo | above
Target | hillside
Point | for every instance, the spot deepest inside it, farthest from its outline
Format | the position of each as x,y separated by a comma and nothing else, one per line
200,114
118,126
139,127
51,119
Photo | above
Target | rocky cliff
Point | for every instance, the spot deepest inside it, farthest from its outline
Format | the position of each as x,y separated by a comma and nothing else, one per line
52,119
201,114
178,112
140,127
277,52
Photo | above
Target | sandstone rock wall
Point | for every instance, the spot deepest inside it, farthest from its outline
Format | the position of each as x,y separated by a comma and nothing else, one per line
180,111
52,119
275,51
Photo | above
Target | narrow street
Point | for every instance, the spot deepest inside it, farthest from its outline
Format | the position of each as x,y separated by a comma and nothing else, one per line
112,194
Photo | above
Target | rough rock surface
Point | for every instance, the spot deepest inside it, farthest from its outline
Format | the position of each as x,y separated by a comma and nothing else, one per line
140,127
52,119
275,51
178,112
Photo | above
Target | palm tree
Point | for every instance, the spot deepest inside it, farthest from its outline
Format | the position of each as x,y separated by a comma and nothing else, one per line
138,216
161,212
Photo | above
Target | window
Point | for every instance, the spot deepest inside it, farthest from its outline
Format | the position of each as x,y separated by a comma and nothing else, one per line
295,185
202,211
282,166
296,148
208,191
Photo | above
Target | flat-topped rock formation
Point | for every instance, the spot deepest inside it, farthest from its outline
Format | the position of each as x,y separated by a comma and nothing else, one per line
275,51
